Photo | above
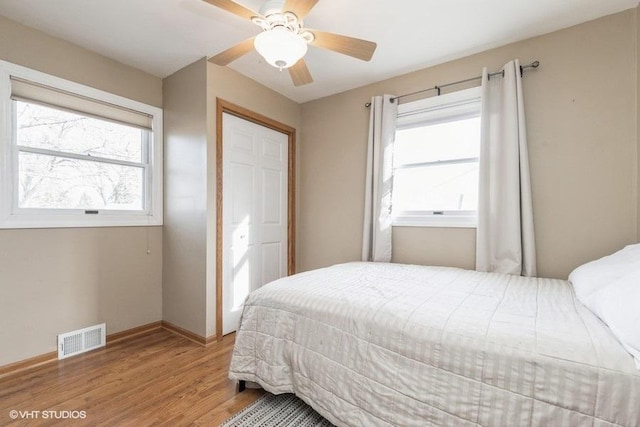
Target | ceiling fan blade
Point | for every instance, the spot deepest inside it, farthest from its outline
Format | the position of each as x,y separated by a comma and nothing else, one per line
300,73
358,48
233,53
233,7
300,7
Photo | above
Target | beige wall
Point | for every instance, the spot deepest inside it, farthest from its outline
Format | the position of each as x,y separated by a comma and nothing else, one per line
231,86
185,198
581,119
190,183
58,280
31,48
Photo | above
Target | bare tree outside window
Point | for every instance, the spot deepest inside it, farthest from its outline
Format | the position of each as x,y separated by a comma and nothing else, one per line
71,161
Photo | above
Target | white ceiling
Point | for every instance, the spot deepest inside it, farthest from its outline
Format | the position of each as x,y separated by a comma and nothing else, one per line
162,36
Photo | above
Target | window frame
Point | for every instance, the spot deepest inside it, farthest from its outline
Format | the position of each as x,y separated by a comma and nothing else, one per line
430,111
12,216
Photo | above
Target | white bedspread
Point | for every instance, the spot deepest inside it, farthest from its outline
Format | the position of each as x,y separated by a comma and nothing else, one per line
399,345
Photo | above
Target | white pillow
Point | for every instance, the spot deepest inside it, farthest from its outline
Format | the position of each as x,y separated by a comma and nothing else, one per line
594,275
618,305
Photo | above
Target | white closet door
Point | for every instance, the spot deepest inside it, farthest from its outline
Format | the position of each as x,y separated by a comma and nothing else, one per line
254,212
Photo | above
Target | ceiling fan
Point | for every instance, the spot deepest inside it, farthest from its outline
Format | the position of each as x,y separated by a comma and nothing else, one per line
284,39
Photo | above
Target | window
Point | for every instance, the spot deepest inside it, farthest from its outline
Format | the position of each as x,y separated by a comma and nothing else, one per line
74,156
435,161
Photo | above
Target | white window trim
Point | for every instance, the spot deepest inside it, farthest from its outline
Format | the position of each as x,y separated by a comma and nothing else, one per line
453,219
11,217
411,114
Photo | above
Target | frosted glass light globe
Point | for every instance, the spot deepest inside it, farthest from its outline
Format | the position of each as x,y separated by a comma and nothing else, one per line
280,47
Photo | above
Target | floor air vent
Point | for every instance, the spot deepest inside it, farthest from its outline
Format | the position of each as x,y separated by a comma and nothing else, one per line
81,341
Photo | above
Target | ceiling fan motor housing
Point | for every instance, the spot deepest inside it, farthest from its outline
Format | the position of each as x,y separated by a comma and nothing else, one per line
271,6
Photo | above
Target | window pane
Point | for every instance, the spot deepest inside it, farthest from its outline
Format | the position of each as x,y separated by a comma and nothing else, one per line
443,141
63,183
44,127
436,188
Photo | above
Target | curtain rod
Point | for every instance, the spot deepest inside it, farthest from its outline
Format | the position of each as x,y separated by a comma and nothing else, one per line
534,64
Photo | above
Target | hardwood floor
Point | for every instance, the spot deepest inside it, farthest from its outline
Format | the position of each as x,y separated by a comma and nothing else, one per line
156,379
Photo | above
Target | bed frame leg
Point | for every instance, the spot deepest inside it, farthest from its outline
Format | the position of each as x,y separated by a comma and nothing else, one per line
242,385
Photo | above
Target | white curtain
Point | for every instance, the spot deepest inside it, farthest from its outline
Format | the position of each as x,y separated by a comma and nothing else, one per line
376,234
505,239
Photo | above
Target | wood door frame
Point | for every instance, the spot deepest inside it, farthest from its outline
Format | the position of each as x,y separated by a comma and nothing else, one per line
223,106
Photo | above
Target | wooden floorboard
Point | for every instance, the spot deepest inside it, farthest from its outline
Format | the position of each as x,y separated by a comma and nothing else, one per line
156,379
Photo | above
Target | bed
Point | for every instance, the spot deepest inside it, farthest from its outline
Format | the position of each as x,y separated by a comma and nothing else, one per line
379,344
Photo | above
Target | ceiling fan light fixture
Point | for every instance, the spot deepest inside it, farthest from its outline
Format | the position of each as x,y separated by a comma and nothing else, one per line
280,47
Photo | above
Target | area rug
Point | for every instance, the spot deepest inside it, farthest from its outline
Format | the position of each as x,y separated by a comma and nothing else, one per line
277,411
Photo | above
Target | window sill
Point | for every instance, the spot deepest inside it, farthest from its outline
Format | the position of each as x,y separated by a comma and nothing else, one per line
68,221
440,222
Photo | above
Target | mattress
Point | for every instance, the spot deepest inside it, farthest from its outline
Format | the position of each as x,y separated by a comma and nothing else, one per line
377,344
